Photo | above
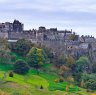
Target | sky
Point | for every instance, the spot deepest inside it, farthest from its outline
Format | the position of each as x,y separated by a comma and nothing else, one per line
79,15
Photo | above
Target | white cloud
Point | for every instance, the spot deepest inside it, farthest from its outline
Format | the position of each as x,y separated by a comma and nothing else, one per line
56,5
76,14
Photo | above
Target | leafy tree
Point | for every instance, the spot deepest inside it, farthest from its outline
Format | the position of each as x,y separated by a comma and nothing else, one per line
21,67
4,46
86,76
5,57
49,52
70,60
83,64
4,52
73,37
61,59
70,79
64,71
94,68
89,80
91,84
82,84
36,57
23,46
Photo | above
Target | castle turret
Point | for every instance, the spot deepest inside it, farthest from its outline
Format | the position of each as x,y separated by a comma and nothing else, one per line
17,26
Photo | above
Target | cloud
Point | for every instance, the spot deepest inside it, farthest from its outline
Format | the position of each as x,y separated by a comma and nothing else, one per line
75,14
56,5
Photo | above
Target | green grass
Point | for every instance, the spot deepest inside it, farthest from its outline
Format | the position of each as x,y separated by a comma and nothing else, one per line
29,81
30,84
27,85
6,67
52,85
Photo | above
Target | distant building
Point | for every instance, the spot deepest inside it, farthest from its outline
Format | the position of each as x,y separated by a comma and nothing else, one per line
2,26
42,29
6,27
17,26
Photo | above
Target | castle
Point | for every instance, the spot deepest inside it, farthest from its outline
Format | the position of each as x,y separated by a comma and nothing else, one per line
65,41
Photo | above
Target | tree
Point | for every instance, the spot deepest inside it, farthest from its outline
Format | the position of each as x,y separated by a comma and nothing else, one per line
36,57
94,67
49,53
70,60
64,71
73,37
61,59
83,64
82,84
70,79
91,84
21,67
4,46
23,46
5,57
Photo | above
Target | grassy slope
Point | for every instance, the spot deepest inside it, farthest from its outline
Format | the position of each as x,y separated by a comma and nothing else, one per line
30,83
29,86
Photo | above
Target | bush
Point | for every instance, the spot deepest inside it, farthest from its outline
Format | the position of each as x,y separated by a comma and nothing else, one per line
41,87
56,80
91,84
11,74
21,67
61,79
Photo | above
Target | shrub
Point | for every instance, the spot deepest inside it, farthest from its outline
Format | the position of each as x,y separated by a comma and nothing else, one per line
41,87
21,67
11,74
70,79
91,84
67,88
56,80
61,79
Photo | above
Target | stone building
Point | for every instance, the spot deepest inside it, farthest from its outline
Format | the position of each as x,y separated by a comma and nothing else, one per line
58,40
4,35
6,27
18,26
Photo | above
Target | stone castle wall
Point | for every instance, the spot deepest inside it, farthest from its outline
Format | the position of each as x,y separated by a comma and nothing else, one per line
20,35
3,34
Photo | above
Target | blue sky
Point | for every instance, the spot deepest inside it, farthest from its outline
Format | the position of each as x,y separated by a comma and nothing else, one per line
79,15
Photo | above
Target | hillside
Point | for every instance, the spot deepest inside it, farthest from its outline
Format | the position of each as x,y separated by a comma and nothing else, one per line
30,69
30,84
